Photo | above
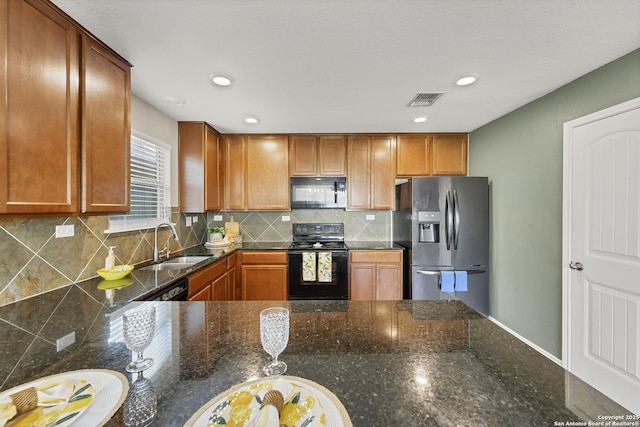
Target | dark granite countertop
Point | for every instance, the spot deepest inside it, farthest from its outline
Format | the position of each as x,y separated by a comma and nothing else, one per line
142,283
411,363
373,245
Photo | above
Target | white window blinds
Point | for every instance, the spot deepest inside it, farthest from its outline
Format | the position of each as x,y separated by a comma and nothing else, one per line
150,186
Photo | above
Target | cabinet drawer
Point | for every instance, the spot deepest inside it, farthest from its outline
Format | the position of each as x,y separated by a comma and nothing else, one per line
376,257
266,257
206,275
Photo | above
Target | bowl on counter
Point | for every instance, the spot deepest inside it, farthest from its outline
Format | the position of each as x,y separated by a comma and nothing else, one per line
117,272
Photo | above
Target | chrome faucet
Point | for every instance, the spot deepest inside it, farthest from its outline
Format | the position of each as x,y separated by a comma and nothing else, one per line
156,253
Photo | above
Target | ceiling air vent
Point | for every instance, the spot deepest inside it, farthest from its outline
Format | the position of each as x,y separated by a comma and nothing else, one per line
424,99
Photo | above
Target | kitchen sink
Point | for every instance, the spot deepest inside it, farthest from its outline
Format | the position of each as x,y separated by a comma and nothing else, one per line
191,259
177,263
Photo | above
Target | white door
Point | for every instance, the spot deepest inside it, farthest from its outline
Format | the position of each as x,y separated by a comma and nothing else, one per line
601,251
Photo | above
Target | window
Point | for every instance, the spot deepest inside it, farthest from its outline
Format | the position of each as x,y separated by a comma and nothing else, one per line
150,186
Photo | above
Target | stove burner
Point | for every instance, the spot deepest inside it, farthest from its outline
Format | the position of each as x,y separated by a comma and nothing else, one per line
318,245
318,236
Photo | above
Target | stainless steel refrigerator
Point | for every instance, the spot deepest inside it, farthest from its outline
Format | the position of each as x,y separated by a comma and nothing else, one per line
444,224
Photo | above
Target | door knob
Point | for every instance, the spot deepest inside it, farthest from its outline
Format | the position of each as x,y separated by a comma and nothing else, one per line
576,266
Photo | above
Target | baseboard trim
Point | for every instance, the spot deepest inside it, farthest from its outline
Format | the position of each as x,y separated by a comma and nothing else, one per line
539,349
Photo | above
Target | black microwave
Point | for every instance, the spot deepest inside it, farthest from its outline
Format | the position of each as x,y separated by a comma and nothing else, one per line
319,192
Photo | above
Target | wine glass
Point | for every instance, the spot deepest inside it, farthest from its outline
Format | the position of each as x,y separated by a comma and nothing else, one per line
274,333
141,406
139,327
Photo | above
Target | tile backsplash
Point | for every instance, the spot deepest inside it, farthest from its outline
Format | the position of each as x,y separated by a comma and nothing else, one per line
34,261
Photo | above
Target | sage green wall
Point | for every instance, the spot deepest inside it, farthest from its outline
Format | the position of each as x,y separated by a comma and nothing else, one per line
521,153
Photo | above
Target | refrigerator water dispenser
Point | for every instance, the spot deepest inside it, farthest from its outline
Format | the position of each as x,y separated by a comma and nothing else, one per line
429,227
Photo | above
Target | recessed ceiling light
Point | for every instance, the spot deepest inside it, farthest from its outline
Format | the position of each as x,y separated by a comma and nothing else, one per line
467,80
221,80
175,101
420,119
252,120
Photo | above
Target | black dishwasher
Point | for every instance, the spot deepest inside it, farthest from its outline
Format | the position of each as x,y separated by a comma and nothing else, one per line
176,291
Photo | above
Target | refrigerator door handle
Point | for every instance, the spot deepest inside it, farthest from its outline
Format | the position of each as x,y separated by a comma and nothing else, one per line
478,270
448,218
456,219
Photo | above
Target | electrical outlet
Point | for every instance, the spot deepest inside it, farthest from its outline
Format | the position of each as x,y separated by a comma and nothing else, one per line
65,341
371,217
286,218
195,219
187,221
64,230
217,217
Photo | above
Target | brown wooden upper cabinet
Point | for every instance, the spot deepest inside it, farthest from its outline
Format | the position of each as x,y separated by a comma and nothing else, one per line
106,129
199,160
449,154
53,108
268,172
318,155
431,154
371,172
256,172
234,154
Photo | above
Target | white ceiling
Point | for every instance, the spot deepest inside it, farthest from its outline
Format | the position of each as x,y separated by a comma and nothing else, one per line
341,66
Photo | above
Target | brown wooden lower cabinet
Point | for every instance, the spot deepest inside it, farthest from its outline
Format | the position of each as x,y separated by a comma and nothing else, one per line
376,275
263,275
202,295
219,288
210,283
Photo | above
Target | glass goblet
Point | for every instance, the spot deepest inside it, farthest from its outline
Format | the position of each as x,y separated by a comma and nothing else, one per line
139,327
274,334
140,407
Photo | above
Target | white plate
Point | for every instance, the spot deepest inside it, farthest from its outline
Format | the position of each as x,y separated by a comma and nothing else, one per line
320,403
110,391
216,245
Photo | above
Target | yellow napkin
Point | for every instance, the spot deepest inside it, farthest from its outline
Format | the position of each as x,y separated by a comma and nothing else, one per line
50,392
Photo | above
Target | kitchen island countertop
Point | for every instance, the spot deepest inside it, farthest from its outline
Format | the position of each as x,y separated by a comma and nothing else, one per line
417,363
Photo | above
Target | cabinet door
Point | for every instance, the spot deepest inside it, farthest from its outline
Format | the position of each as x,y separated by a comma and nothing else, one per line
389,282
191,166
39,54
264,282
303,155
363,279
234,149
213,182
106,105
413,155
267,172
449,153
202,295
383,173
332,155
234,292
358,173
220,288
200,179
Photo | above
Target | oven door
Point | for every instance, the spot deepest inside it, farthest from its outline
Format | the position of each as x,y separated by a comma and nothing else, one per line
314,281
